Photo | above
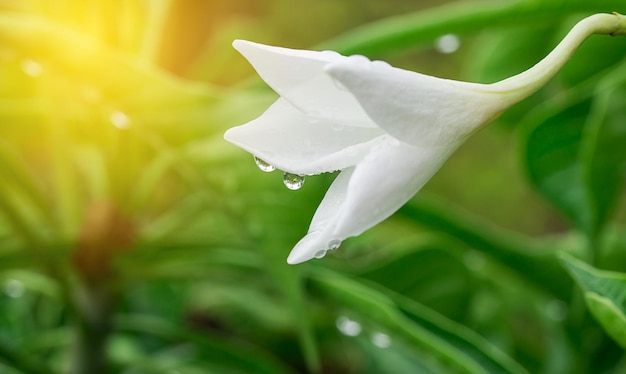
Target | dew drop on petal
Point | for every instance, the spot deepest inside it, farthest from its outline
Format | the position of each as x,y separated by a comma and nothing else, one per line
264,166
447,43
119,120
381,340
14,288
320,254
334,244
293,181
348,327
31,68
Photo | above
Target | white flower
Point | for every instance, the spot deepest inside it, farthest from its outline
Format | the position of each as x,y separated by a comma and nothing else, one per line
386,129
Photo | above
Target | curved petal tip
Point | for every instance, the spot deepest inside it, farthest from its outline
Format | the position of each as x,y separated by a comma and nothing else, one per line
311,246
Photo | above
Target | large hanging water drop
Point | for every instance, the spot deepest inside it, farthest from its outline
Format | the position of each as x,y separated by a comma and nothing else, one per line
264,166
320,254
293,181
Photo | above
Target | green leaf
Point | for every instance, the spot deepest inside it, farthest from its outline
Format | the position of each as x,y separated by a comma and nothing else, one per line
574,154
442,341
532,261
605,294
211,349
604,153
408,31
551,149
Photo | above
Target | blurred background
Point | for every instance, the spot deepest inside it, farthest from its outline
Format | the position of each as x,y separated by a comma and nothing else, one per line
134,239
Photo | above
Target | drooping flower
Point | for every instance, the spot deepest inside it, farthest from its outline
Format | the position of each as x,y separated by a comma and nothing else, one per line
387,130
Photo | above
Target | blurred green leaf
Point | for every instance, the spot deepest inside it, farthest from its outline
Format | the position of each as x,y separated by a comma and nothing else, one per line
532,260
219,352
574,154
443,341
405,32
605,294
604,150
437,278
551,157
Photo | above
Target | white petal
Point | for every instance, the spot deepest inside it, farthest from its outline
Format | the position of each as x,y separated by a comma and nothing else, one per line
416,108
364,196
299,77
287,139
384,181
320,233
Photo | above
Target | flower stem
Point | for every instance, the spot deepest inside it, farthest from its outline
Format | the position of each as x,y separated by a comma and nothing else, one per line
526,83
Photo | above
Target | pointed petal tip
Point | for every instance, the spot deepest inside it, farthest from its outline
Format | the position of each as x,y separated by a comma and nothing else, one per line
293,259
306,248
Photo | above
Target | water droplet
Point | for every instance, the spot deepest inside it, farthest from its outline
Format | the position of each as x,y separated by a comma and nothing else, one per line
119,120
381,340
447,43
31,68
348,327
556,310
320,254
474,260
334,244
264,166
14,288
293,181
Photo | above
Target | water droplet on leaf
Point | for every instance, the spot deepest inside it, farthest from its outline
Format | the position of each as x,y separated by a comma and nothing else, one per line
293,181
14,288
381,340
264,166
348,327
447,43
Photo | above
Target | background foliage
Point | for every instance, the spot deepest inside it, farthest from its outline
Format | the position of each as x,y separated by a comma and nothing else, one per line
134,239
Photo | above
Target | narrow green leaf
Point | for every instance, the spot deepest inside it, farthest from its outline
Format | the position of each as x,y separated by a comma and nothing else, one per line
451,345
605,294
603,150
216,350
610,317
532,261
411,30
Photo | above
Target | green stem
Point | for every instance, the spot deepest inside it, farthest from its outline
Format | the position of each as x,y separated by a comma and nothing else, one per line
93,306
526,83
